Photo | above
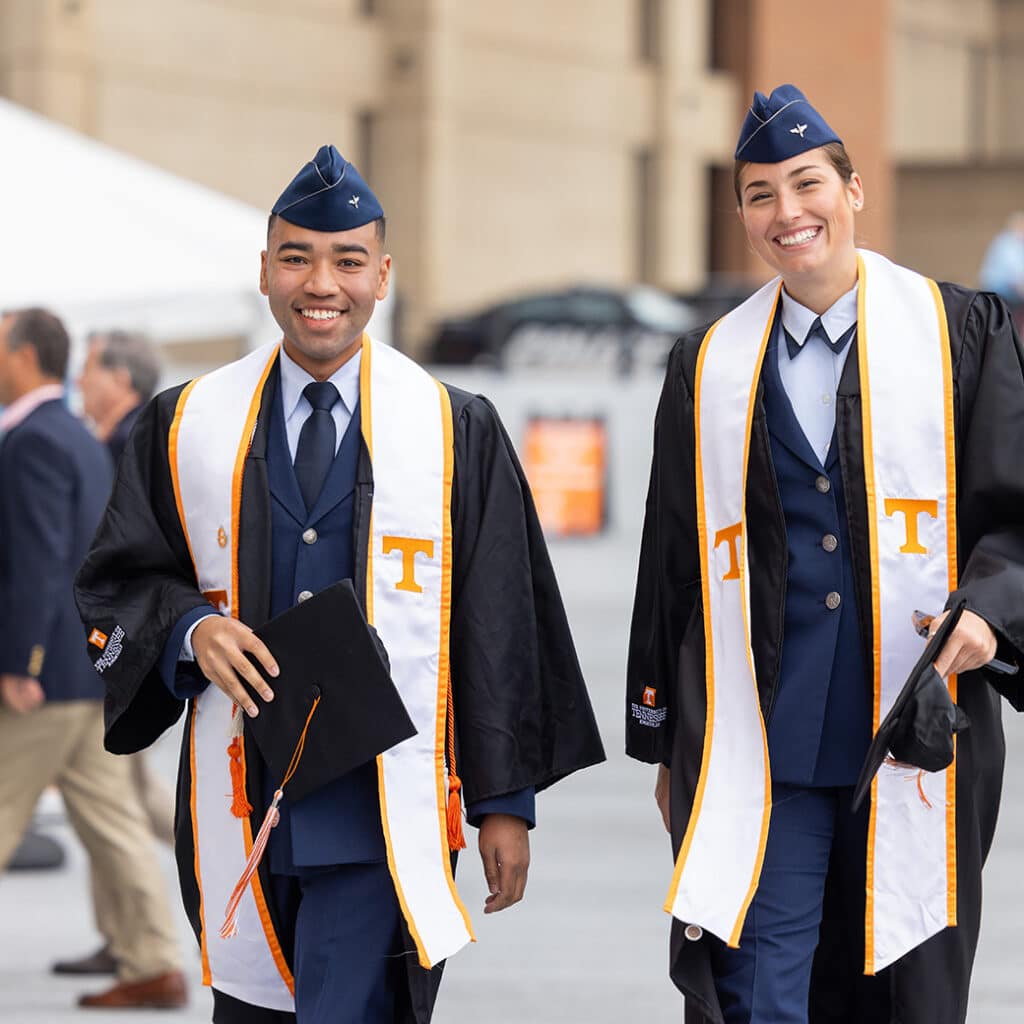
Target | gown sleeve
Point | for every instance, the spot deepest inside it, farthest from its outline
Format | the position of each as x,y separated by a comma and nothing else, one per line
136,583
668,577
522,712
991,481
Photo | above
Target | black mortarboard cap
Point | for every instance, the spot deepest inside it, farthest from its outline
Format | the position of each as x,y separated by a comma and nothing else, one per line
781,125
324,648
328,194
920,725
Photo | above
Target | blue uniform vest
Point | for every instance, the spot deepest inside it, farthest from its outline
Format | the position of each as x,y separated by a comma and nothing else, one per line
340,823
819,725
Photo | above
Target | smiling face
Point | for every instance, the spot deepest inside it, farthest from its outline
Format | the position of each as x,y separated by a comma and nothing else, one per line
322,288
799,218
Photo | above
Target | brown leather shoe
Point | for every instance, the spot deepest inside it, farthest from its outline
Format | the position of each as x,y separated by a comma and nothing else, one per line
162,992
100,962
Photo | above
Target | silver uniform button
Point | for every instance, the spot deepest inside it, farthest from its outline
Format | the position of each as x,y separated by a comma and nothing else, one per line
833,601
310,536
823,485
305,595
694,932
829,542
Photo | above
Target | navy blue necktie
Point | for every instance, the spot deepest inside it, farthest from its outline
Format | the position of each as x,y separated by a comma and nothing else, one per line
817,330
317,441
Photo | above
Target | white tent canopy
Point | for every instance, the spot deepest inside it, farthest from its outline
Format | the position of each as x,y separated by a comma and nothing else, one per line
106,240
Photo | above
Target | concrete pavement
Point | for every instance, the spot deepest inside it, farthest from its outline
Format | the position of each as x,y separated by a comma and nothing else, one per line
589,943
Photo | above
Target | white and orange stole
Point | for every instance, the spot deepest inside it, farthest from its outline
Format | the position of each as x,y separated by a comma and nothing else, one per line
907,407
407,426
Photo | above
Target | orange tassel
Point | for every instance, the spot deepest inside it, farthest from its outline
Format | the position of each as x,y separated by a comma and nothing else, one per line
230,926
240,806
456,838
920,790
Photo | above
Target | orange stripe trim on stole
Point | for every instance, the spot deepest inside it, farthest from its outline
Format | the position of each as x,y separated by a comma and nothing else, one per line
951,557
236,481
444,653
172,460
734,939
366,425
709,657
366,398
245,443
193,812
876,610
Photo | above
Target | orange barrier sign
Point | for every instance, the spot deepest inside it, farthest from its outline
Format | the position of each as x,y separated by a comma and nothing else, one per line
565,462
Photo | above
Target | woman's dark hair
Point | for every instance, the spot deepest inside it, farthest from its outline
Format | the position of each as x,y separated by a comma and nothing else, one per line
834,151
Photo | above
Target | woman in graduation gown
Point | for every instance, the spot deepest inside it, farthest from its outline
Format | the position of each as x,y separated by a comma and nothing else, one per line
796,516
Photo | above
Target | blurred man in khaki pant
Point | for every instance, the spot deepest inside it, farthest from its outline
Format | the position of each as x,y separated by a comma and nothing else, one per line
119,376
55,482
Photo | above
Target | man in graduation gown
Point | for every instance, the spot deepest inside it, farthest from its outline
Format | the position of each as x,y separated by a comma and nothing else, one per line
310,477
808,561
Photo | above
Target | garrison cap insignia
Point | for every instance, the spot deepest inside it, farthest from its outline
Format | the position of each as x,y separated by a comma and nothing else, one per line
798,129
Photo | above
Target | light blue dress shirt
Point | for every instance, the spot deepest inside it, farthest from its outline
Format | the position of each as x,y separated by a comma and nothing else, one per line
297,409
811,378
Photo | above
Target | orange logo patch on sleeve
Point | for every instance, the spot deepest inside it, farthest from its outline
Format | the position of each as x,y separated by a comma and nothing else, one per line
98,639
650,695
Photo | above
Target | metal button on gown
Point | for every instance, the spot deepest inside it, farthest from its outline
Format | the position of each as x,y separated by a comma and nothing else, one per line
832,601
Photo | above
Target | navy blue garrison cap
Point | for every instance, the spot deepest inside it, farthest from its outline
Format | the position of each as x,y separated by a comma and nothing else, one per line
328,194
780,126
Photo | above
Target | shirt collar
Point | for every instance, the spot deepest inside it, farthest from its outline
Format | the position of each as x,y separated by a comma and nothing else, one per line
294,378
839,317
21,408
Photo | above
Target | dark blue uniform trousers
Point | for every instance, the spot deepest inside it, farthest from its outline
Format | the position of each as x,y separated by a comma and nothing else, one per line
349,962
813,836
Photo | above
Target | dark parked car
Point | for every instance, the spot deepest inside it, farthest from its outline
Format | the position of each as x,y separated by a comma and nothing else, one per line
619,331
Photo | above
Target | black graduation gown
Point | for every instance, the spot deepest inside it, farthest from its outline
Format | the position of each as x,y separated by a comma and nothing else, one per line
523,716
929,985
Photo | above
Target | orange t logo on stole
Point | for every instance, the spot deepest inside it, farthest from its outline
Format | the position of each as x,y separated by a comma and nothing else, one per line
912,508
731,535
410,548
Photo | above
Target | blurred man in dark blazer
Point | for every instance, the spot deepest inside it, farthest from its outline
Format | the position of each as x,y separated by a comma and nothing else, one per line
55,482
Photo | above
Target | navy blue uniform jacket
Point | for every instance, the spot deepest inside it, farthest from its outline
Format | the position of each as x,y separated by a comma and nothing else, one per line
54,483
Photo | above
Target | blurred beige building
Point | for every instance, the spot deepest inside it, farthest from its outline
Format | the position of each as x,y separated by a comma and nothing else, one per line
538,143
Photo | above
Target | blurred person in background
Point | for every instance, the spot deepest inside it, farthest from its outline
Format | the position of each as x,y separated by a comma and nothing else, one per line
119,376
353,910
56,479
839,451
1002,270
